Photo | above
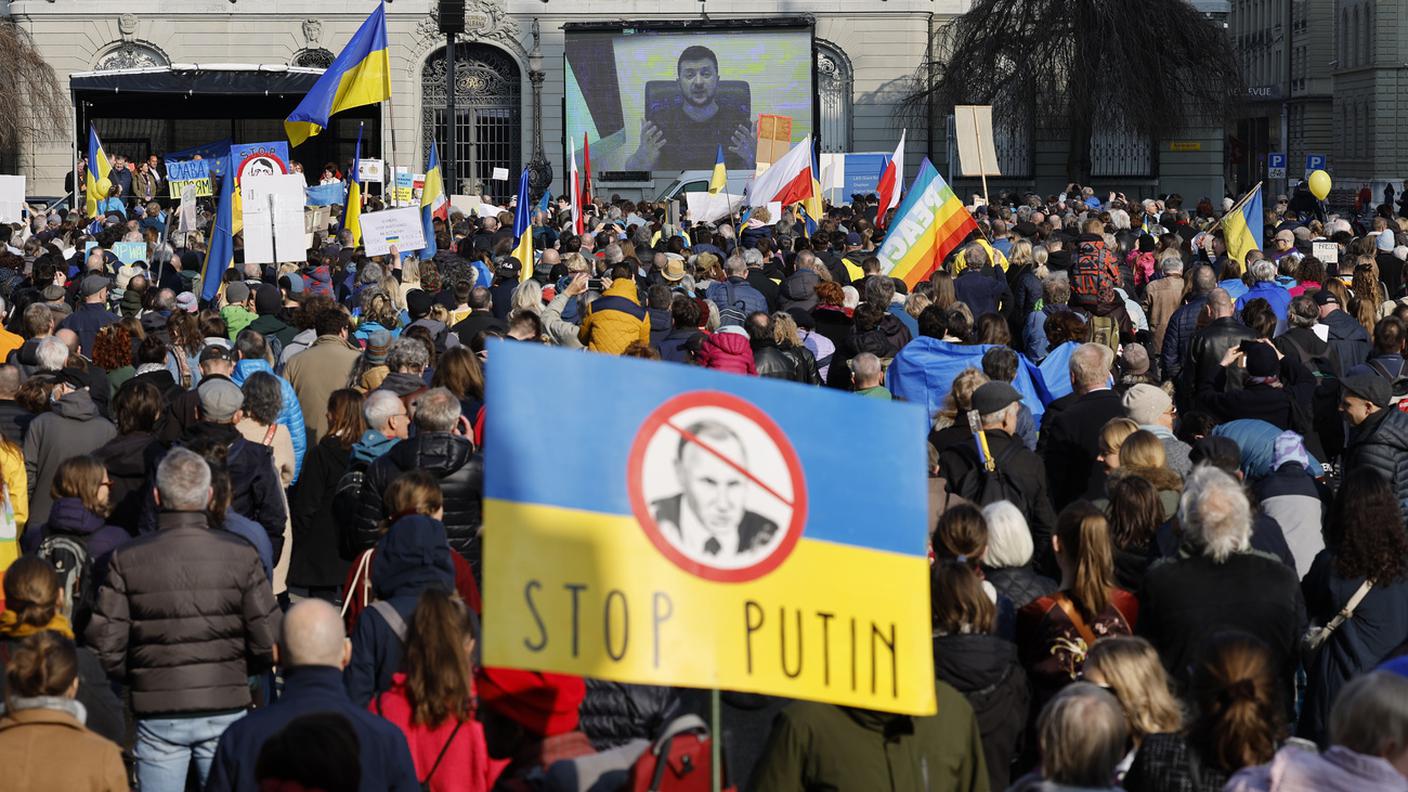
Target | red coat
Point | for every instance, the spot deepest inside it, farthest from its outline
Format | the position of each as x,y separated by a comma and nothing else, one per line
466,766
726,352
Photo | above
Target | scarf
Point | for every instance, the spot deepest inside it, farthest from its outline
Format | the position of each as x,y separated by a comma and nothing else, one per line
11,627
67,705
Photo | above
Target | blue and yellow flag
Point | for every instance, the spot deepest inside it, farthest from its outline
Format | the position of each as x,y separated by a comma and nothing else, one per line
360,75
812,203
220,254
523,230
1242,226
698,531
97,174
352,213
719,180
432,202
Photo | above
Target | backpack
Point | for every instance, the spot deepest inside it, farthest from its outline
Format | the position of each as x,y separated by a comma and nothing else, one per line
1091,284
1398,385
680,760
733,311
346,495
982,487
70,558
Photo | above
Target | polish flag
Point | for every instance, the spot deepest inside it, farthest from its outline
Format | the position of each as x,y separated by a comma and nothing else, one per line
587,166
575,186
787,181
888,190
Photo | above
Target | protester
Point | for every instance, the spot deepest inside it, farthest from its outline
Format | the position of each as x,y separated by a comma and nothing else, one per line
321,369
187,660
72,426
1081,736
312,651
44,743
1069,433
315,566
1130,669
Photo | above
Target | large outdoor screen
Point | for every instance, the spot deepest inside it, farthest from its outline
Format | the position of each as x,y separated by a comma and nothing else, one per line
666,100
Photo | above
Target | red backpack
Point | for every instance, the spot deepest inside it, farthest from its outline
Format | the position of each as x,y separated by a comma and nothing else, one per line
680,760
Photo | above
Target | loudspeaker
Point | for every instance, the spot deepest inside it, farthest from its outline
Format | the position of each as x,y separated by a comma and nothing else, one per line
451,16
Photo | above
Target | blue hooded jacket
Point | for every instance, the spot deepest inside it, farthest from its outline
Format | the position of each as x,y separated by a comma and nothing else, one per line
290,413
371,445
413,556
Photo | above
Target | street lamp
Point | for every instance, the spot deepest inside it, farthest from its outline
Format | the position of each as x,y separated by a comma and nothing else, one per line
539,169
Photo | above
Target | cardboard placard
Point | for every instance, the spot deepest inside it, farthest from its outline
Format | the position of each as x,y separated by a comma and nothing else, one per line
370,170
130,252
273,218
11,199
977,153
500,174
774,139
466,204
399,227
1327,252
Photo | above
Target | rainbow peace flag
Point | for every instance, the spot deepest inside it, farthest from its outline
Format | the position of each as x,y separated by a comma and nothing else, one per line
929,224
695,529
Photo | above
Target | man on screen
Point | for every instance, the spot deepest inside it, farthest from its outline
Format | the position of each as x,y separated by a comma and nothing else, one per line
709,520
686,130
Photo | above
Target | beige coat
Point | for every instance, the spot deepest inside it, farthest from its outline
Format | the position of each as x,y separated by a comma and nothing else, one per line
48,749
314,374
1163,297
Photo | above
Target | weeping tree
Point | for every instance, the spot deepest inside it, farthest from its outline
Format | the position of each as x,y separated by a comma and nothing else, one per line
34,105
1152,67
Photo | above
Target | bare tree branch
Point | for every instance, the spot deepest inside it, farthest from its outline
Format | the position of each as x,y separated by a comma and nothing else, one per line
35,105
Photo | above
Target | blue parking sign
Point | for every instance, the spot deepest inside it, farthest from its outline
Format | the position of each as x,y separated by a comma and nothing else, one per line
1275,160
1314,162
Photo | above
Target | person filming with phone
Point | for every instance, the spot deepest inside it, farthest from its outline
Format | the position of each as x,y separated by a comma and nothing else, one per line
1275,387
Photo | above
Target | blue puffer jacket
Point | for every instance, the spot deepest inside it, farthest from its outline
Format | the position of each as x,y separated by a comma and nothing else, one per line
290,413
413,556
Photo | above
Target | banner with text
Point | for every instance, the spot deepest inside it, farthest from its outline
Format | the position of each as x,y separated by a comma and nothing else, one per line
697,531
399,227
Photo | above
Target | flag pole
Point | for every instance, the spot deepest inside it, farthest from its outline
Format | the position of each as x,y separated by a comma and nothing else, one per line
391,158
1236,206
716,762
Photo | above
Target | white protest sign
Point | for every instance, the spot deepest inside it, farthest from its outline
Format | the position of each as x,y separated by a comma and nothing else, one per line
500,174
371,170
466,204
399,227
706,208
273,218
11,198
977,153
488,210
186,212
1326,252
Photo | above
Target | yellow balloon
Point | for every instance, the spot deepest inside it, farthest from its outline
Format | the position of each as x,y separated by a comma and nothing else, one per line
1320,184
104,187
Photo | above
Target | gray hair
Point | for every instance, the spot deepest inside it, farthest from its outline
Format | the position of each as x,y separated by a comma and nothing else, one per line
1171,263
51,354
994,419
753,257
1371,711
183,481
975,256
736,266
1009,537
1303,312
1082,734
1264,270
371,274
1215,513
879,290
865,366
408,355
380,407
437,410
1090,365
527,296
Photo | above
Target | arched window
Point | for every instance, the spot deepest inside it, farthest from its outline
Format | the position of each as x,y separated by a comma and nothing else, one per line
131,55
833,84
488,112
314,58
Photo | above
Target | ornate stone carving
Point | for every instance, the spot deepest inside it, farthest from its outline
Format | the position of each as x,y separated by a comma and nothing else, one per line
484,20
127,25
312,31
313,58
131,55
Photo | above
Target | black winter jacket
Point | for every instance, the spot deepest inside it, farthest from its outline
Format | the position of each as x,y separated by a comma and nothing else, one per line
184,617
1381,444
985,669
614,713
1021,584
1204,362
770,362
128,459
315,561
460,469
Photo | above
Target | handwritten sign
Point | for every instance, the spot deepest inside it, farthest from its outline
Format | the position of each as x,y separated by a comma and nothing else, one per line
399,227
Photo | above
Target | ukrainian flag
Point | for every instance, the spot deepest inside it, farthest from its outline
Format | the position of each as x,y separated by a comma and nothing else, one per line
719,180
812,204
352,213
1242,226
523,230
582,575
220,255
360,75
432,202
98,169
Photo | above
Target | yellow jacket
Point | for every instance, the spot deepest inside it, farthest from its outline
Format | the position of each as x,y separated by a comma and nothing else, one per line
615,320
17,485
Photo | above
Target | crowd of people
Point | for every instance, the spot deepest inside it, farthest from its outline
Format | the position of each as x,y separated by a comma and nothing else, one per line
241,537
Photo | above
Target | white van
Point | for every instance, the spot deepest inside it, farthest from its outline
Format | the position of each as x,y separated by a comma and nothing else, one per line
698,181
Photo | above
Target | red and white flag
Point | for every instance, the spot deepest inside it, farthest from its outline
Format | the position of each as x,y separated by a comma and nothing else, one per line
786,181
888,190
575,186
586,166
